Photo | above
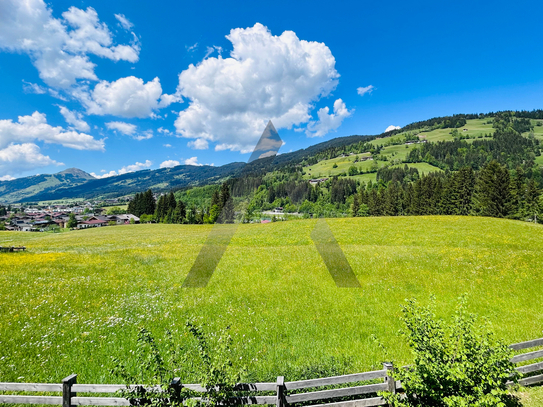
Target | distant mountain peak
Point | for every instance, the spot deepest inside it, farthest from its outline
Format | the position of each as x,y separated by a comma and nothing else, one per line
77,173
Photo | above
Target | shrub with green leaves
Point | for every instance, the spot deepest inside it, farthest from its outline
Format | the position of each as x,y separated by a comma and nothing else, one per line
150,373
458,363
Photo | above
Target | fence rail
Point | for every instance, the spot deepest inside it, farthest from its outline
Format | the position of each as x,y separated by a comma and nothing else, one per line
283,390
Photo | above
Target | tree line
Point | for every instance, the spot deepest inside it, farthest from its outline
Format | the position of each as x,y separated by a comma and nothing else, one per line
493,191
169,209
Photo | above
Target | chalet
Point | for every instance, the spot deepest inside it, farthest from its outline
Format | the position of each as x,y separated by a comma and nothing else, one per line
317,181
125,219
91,224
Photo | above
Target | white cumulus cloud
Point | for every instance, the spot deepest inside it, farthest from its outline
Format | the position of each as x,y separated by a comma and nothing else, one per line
59,47
126,97
74,119
17,158
390,128
126,169
192,161
365,89
7,178
128,129
35,127
266,77
328,121
169,163
199,144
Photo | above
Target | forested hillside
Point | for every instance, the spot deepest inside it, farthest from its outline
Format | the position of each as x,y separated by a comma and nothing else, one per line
461,165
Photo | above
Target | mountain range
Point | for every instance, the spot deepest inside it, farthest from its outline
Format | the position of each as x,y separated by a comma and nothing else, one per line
75,183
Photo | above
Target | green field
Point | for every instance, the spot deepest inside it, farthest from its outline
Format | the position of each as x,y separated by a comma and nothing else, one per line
398,153
75,299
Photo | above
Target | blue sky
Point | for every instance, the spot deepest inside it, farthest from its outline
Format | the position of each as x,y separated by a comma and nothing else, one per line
117,86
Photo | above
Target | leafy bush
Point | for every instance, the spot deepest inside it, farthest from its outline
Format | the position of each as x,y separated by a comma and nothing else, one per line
457,364
209,360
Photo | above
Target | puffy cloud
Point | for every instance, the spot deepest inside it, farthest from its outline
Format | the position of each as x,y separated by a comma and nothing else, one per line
75,119
7,178
328,121
125,23
170,163
198,144
390,128
146,135
192,161
59,48
129,168
365,89
106,175
127,129
17,158
266,77
126,97
35,127
167,145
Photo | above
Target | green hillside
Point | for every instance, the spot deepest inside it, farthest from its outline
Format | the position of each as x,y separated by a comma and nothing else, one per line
21,188
395,153
75,299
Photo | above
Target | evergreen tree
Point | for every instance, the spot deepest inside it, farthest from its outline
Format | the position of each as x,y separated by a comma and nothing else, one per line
448,197
463,186
226,208
355,207
148,203
493,195
171,202
160,209
518,193
532,200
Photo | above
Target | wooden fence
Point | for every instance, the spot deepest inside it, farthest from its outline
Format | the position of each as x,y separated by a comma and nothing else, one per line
12,249
286,393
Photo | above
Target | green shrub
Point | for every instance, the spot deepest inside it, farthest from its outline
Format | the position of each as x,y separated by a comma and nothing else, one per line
457,364
208,359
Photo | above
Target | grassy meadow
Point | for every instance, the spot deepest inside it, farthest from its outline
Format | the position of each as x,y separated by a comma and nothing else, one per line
73,300
475,127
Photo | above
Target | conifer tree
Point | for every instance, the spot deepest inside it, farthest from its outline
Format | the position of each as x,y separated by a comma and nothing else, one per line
532,200
463,186
493,195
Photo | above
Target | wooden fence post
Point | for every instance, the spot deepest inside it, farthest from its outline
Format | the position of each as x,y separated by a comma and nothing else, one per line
389,367
280,392
67,390
176,386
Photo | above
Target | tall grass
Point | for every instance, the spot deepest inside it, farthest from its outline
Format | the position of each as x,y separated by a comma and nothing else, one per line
75,299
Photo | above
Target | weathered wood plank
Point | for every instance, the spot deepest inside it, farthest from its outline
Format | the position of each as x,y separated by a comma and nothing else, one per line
528,344
374,401
330,394
97,388
56,400
99,401
357,377
255,386
195,387
254,400
534,367
531,380
31,387
527,356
